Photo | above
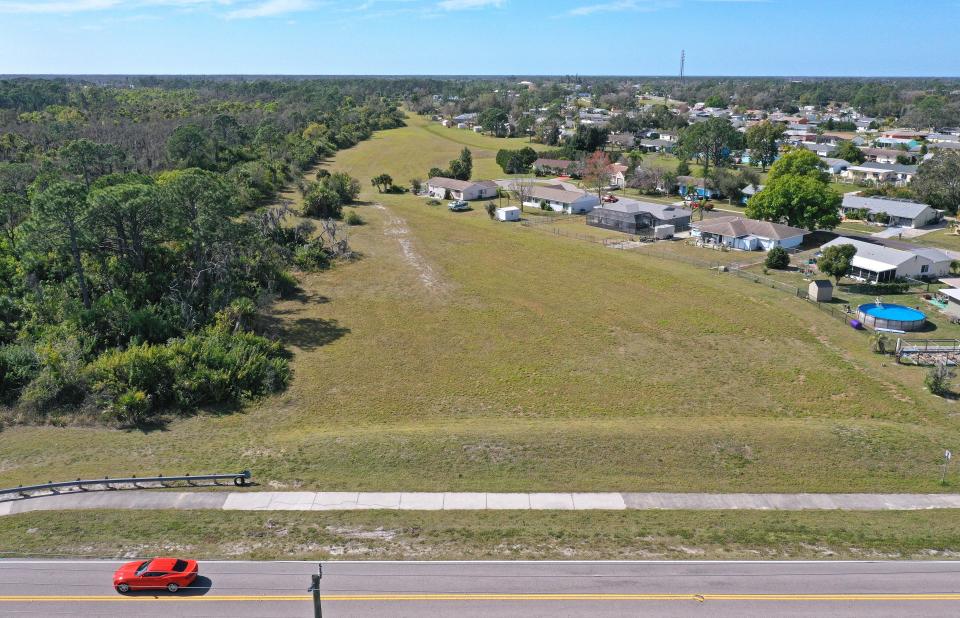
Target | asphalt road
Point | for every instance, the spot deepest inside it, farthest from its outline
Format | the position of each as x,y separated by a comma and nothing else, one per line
240,589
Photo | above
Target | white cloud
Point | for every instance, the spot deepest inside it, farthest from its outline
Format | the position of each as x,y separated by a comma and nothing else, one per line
64,6
620,6
270,8
462,5
236,9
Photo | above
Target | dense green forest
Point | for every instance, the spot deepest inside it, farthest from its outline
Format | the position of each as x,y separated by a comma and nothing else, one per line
138,242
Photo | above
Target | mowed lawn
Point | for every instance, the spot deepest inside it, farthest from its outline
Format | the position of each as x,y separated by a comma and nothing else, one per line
459,353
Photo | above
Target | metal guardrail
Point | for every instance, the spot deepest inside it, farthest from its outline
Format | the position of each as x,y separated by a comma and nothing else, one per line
239,479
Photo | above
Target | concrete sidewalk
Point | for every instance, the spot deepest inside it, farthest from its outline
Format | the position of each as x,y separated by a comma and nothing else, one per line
421,501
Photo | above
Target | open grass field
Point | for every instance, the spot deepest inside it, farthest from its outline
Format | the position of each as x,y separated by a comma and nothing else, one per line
425,535
462,354
942,239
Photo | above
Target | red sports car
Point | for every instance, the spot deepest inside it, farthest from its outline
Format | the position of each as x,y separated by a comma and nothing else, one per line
157,574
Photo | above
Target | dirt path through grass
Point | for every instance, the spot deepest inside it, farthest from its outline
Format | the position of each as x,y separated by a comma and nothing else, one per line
397,228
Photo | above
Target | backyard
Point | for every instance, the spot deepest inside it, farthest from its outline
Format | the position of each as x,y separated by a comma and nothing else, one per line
462,354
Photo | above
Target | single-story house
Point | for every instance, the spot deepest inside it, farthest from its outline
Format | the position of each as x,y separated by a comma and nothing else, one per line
633,216
893,142
885,155
902,213
894,173
703,187
656,145
877,263
450,188
821,150
466,118
747,234
556,167
749,191
561,200
835,166
900,133
936,138
946,145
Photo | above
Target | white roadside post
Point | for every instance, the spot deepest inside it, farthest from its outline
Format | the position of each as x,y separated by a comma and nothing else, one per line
947,456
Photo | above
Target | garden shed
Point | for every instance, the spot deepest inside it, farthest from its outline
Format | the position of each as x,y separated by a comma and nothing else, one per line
820,290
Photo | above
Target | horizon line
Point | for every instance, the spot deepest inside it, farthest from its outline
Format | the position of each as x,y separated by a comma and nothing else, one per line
479,75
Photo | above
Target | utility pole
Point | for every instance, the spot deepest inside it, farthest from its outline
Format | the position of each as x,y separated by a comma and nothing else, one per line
315,589
683,62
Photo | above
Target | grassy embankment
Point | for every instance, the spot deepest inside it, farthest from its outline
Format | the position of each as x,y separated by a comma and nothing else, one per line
380,535
463,354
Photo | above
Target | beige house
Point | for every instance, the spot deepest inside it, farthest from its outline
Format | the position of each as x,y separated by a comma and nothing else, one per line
450,188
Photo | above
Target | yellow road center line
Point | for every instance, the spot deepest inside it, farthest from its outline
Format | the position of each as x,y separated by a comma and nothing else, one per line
489,597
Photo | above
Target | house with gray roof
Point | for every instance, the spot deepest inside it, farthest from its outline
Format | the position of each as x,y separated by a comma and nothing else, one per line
835,166
945,145
450,188
749,191
636,217
878,263
902,213
657,145
886,155
561,200
821,150
746,234
879,173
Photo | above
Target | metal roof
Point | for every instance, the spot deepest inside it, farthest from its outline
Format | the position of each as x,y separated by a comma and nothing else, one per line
892,206
878,258
738,227
459,185
664,212
557,195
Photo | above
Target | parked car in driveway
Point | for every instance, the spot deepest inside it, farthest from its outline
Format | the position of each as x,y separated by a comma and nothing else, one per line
169,574
459,206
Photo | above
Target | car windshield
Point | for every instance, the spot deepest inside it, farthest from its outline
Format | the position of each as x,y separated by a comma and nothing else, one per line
143,567
180,565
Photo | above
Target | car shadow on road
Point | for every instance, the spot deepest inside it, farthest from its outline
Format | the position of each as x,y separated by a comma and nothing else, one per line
198,588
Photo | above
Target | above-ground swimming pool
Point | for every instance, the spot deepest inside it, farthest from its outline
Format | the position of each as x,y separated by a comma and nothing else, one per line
894,317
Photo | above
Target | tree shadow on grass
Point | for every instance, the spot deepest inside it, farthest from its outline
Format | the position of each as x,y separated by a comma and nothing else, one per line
311,333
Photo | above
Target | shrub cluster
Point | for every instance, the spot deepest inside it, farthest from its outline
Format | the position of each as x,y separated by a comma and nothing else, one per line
210,367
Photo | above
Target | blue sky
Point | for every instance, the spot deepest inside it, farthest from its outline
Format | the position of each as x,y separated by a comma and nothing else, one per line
589,37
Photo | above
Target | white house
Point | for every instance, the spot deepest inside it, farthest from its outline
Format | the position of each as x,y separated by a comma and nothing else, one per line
508,213
902,213
876,263
562,200
895,173
835,166
747,234
821,150
451,188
